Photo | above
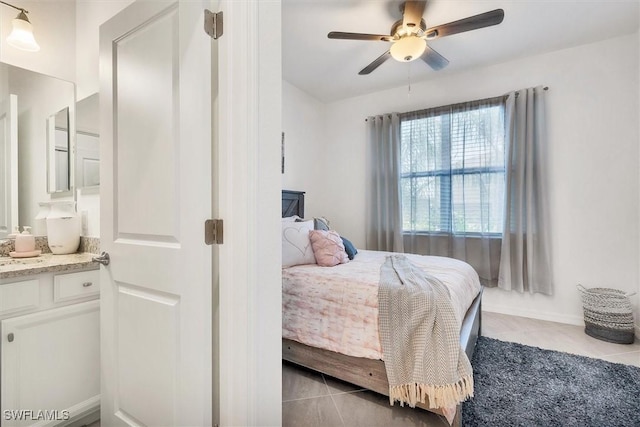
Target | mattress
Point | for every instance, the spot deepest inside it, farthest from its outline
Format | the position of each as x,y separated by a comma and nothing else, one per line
336,308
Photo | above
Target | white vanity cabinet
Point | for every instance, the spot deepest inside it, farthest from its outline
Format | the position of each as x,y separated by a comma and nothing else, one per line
49,348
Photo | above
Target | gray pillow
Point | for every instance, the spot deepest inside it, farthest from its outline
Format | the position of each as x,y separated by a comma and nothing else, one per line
318,223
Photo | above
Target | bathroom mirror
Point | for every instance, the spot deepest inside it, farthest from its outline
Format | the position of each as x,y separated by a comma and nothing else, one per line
38,97
58,152
87,167
8,165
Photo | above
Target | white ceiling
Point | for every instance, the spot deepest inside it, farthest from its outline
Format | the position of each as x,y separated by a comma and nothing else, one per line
328,69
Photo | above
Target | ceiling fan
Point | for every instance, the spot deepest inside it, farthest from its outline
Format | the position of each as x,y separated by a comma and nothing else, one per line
410,34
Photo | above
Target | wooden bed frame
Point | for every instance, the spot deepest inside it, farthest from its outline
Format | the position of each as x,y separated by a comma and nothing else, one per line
366,373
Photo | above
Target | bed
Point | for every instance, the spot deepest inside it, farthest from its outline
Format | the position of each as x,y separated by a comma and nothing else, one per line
362,365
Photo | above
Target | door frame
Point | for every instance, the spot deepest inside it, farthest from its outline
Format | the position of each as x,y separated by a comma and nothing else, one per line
250,292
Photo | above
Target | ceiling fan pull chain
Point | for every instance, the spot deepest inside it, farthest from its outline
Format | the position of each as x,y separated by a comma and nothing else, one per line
409,80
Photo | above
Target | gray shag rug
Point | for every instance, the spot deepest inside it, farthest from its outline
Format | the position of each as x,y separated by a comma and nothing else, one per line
519,385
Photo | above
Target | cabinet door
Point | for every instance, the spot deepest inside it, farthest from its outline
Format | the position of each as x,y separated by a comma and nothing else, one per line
50,364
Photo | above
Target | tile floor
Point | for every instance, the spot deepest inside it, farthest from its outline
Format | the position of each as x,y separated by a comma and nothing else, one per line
310,399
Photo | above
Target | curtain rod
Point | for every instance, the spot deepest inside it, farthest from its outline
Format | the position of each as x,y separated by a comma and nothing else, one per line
544,88
386,114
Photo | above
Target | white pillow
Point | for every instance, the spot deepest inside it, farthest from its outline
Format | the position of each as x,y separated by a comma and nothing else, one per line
296,245
290,218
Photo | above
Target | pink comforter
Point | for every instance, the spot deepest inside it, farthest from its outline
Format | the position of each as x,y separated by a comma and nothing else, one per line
336,308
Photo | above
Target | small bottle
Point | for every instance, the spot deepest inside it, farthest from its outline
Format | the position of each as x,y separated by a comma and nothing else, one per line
25,241
16,231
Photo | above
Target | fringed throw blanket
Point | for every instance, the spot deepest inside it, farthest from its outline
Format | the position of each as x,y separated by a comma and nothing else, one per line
420,338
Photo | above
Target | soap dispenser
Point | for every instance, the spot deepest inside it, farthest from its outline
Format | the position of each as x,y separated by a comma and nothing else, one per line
16,231
25,241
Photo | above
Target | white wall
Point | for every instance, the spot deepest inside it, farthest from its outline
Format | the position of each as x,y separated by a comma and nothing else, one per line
303,122
592,114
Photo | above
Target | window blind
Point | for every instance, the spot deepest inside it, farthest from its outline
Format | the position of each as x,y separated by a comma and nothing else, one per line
453,168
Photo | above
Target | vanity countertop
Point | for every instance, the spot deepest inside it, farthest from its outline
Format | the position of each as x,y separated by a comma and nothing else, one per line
46,263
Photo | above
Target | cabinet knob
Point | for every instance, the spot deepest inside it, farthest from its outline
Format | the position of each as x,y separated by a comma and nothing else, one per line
87,284
10,337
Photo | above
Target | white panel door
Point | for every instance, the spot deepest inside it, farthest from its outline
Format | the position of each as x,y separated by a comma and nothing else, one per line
155,187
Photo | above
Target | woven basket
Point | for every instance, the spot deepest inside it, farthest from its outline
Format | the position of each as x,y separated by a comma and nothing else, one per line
608,315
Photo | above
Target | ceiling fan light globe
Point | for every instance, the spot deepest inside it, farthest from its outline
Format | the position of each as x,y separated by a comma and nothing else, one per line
408,49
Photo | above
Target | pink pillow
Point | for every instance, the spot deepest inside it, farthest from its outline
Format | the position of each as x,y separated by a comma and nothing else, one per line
328,248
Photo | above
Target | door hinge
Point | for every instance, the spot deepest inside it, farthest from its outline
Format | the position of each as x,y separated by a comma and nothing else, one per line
213,232
213,24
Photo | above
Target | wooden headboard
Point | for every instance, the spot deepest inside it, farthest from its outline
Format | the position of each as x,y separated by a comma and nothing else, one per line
292,203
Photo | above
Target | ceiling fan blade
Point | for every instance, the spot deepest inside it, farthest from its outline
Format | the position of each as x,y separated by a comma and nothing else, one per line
375,64
434,59
475,22
412,14
358,36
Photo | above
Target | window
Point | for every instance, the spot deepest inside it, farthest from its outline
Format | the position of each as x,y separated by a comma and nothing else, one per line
453,168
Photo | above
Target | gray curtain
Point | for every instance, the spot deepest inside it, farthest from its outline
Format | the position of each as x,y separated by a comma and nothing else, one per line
453,194
384,212
525,263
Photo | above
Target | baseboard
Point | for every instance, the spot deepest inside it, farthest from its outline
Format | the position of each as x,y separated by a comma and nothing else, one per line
84,419
535,314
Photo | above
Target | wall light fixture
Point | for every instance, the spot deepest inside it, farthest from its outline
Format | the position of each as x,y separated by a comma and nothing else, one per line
21,36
